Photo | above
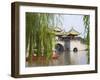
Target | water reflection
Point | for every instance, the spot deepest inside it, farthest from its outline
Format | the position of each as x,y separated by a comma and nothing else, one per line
66,58
71,58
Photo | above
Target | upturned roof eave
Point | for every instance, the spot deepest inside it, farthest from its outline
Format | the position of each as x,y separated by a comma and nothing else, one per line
73,32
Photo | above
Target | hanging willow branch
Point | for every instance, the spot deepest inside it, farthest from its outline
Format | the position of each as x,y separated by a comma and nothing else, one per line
86,20
39,34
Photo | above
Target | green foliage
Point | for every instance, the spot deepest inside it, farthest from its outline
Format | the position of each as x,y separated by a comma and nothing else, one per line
86,20
39,34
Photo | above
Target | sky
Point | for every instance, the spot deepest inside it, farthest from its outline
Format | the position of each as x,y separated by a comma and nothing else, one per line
76,21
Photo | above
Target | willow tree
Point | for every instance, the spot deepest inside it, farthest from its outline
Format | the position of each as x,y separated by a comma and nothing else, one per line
39,34
86,20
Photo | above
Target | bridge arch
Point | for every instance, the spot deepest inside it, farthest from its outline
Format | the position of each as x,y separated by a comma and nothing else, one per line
59,48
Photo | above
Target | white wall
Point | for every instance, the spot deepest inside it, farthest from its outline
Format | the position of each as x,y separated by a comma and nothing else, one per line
77,44
5,41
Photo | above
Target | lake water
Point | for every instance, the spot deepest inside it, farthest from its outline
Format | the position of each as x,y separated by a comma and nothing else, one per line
71,58
66,58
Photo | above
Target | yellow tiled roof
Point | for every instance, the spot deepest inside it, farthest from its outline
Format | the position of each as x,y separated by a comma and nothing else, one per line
57,29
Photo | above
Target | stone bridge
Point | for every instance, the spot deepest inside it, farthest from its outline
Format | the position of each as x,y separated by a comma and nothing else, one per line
70,45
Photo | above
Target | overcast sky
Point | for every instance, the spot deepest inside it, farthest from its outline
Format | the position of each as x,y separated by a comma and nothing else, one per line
75,21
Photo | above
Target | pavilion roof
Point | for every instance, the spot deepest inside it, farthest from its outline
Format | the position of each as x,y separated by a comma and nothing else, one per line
73,32
57,29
